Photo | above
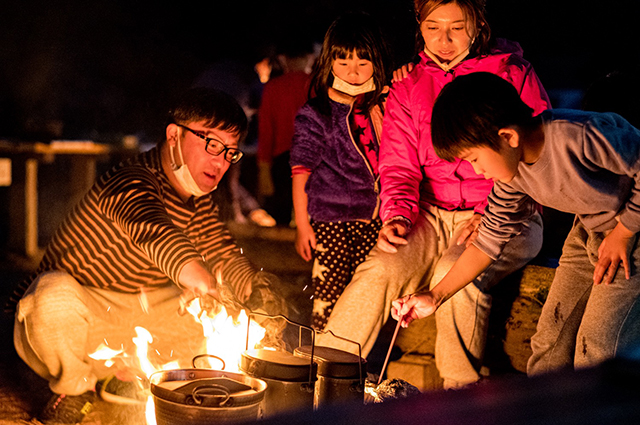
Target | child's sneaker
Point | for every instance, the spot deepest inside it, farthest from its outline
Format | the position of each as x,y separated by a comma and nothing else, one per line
68,409
262,218
133,391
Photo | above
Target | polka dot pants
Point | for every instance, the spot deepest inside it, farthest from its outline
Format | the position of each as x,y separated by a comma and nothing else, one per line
340,248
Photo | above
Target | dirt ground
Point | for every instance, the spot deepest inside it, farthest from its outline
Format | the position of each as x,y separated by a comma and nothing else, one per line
23,393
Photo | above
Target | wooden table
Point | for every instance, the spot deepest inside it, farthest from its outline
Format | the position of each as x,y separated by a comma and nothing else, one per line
85,153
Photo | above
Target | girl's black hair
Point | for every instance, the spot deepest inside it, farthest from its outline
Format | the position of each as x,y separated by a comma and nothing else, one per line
352,31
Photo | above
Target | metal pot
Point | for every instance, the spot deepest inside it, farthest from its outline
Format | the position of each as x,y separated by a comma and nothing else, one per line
205,397
290,379
341,375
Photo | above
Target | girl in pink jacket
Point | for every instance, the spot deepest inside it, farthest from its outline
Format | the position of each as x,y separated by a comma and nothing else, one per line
431,208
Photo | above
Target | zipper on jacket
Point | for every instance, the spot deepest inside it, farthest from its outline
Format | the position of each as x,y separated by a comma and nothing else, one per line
376,189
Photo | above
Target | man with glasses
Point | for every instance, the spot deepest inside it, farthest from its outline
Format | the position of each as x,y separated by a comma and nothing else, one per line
142,242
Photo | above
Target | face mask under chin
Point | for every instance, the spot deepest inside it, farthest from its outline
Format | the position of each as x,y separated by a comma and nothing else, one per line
352,89
184,177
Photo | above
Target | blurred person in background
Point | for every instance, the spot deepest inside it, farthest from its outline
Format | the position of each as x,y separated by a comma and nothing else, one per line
282,97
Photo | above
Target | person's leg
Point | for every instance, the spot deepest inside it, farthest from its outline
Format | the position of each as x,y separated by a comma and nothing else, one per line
343,247
60,322
330,269
363,236
280,204
365,304
233,179
554,342
50,333
610,325
462,322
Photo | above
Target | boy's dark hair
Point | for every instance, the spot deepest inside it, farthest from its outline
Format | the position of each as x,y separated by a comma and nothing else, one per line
217,108
352,31
471,110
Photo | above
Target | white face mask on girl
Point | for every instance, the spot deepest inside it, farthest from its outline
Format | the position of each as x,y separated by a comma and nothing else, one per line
351,89
183,175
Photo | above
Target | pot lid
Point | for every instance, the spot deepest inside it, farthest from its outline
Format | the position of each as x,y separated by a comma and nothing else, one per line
334,363
207,388
277,365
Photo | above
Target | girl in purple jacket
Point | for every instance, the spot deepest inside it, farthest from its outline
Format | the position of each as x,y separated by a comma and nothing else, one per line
431,208
334,157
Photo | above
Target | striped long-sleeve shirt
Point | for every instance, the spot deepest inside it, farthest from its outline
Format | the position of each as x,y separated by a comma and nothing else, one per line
132,231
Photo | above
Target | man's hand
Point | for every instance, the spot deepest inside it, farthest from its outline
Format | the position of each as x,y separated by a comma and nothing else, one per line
195,277
614,249
470,232
391,235
305,240
412,307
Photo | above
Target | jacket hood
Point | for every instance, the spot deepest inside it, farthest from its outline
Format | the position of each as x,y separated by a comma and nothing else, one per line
507,46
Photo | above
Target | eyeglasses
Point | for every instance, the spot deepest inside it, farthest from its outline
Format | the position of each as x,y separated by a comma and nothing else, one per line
216,147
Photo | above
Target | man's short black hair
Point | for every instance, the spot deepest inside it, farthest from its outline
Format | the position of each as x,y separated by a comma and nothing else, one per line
215,107
471,110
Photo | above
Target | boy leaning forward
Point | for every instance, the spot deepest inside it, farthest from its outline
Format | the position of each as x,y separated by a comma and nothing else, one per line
579,162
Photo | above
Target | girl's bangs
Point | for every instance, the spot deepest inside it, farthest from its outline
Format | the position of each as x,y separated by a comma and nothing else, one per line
344,51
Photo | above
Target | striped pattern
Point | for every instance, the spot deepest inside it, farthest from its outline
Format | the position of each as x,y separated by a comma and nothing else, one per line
132,231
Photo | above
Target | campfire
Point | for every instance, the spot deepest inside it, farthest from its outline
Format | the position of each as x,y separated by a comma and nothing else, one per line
226,339
237,379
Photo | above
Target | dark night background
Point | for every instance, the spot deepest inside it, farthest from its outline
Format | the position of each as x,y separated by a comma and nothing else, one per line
104,68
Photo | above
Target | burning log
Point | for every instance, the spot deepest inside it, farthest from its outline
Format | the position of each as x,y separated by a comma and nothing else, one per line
391,389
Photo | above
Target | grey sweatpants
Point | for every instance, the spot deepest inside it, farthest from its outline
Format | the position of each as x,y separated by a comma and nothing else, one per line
462,321
60,322
582,324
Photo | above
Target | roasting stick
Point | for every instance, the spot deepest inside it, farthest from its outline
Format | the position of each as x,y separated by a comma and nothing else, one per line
393,341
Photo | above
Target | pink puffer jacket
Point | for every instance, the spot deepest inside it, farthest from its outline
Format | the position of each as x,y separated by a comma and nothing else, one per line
410,171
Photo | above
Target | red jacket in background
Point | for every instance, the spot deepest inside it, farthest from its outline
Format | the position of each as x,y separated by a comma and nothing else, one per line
282,97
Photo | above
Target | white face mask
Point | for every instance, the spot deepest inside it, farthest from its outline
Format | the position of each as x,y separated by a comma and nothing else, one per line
183,175
446,67
351,89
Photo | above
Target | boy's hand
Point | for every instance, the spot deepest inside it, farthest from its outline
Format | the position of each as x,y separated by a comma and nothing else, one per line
305,240
391,235
470,232
614,249
412,307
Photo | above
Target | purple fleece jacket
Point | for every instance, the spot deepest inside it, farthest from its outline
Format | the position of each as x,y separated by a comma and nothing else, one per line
342,186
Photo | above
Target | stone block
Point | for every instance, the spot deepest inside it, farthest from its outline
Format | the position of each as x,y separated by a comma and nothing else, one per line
417,369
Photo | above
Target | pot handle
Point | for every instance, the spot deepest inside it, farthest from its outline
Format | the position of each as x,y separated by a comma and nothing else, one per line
199,398
300,327
199,356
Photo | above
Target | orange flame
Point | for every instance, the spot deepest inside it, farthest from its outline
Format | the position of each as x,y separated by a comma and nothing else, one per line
225,338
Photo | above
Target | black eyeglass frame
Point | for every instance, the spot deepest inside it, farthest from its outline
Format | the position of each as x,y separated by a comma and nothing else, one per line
231,155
